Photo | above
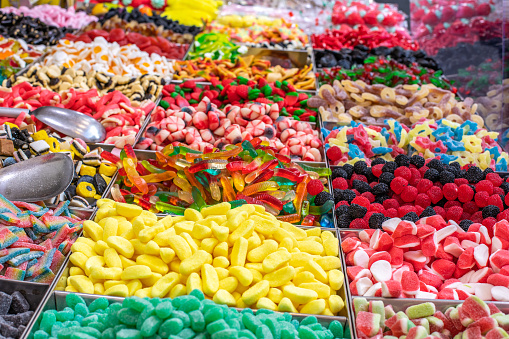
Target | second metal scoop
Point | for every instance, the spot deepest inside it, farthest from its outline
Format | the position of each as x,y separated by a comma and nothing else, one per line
36,179
66,121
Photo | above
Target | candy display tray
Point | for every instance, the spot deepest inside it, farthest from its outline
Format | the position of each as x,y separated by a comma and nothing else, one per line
54,299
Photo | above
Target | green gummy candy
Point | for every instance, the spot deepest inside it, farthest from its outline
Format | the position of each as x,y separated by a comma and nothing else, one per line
176,302
147,313
214,314
197,321
309,320
207,305
57,327
186,333
78,335
65,315
40,334
129,334
377,306
128,316
110,333
347,334
89,331
81,309
315,327
360,305
78,318
336,328
155,336
48,320
251,322
66,333
155,301
274,327
234,324
182,316
226,334
150,326
421,310
98,326
216,326
246,334
307,333
136,303
98,304
89,319
171,326
164,309
189,303
328,334
72,299
198,294
263,332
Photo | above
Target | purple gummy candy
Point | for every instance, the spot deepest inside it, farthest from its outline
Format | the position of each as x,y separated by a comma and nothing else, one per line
5,303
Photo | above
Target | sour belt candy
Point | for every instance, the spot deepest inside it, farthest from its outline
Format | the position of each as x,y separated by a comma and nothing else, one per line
110,58
34,239
127,251
253,173
179,317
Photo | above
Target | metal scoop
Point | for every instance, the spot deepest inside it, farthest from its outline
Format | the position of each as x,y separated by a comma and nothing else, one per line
63,120
38,178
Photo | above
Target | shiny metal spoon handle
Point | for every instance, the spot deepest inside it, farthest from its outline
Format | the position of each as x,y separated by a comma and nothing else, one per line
12,112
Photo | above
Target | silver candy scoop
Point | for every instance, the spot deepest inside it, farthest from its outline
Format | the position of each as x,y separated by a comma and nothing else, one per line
38,178
63,120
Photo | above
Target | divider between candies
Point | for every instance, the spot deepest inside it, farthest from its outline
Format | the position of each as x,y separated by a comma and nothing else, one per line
235,207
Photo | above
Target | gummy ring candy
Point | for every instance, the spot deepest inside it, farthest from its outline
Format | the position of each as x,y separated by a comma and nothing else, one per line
54,145
437,113
455,118
388,94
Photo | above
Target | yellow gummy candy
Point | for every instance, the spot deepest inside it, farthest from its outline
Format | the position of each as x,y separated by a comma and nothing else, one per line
93,230
155,263
281,276
243,275
286,305
275,260
136,272
314,307
257,291
117,291
123,246
219,209
111,258
164,285
299,295
224,297
128,210
82,284
239,252
195,262
210,279
180,246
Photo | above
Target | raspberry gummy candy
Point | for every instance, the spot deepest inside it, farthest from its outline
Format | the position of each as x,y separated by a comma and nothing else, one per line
314,186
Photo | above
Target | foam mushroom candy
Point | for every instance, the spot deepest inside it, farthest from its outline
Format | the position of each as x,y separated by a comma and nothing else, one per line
471,319
240,91
15,313
371,104
205,127
121,118
109,58
59,79
54,15
413,188
218,250
178,317
252,171
34,240
444,139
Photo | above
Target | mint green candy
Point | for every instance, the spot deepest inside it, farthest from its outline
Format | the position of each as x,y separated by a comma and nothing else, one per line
307,333
150,326
65,315
73,299
78,318
98,304
315,327
48,320
197,321
289,333
189,303
247,334
226,334
147,313
274,327
213,314
81,309
40,334
216,326
251,322
164,309
171,327
309,320
328,334
187,333
128,316
154,301
234,324
66,333
82,336
129,334
89,331
136,303
263,332
336,328
98,326
198,294
182,316
89,319
109,334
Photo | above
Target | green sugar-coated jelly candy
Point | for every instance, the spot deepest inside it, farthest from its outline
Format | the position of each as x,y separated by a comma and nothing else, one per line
307,333
251,322
336,328
98,326
78,335
189,304
109,333
226,334
197,321
72,299
246,334
90,331
147,313
187,333
309,320
128,316
66,333
164,309
129,334
198,294
98,304
263,332
150,326
217,326
48,320
40,334
136,303
89,319
65,315
171,327
182,316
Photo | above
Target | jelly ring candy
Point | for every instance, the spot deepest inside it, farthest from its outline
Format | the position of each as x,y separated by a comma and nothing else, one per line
86,190
107,169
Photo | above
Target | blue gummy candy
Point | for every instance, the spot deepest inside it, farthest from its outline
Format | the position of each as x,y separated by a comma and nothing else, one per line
381,150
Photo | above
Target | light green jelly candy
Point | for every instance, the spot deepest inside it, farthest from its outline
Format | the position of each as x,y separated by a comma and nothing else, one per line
216,326
189,303
226,334
147,313
155,301
309,320
214,314
274,327
287,333
164,309
136,303
128,316
197,321
89,319
72,299
66,333
150,326
90,331
307,333
98,304
234,324
263,332
78,335
360,305
207,305
129,334
198,294
97,325
336,328
248,334
421,310
182,316
186,333
109,333
48,320
171,327
251,322
66,314
78,318
40,334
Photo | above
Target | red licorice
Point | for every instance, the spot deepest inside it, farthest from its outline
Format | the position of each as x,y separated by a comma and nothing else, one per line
158,45
347,37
